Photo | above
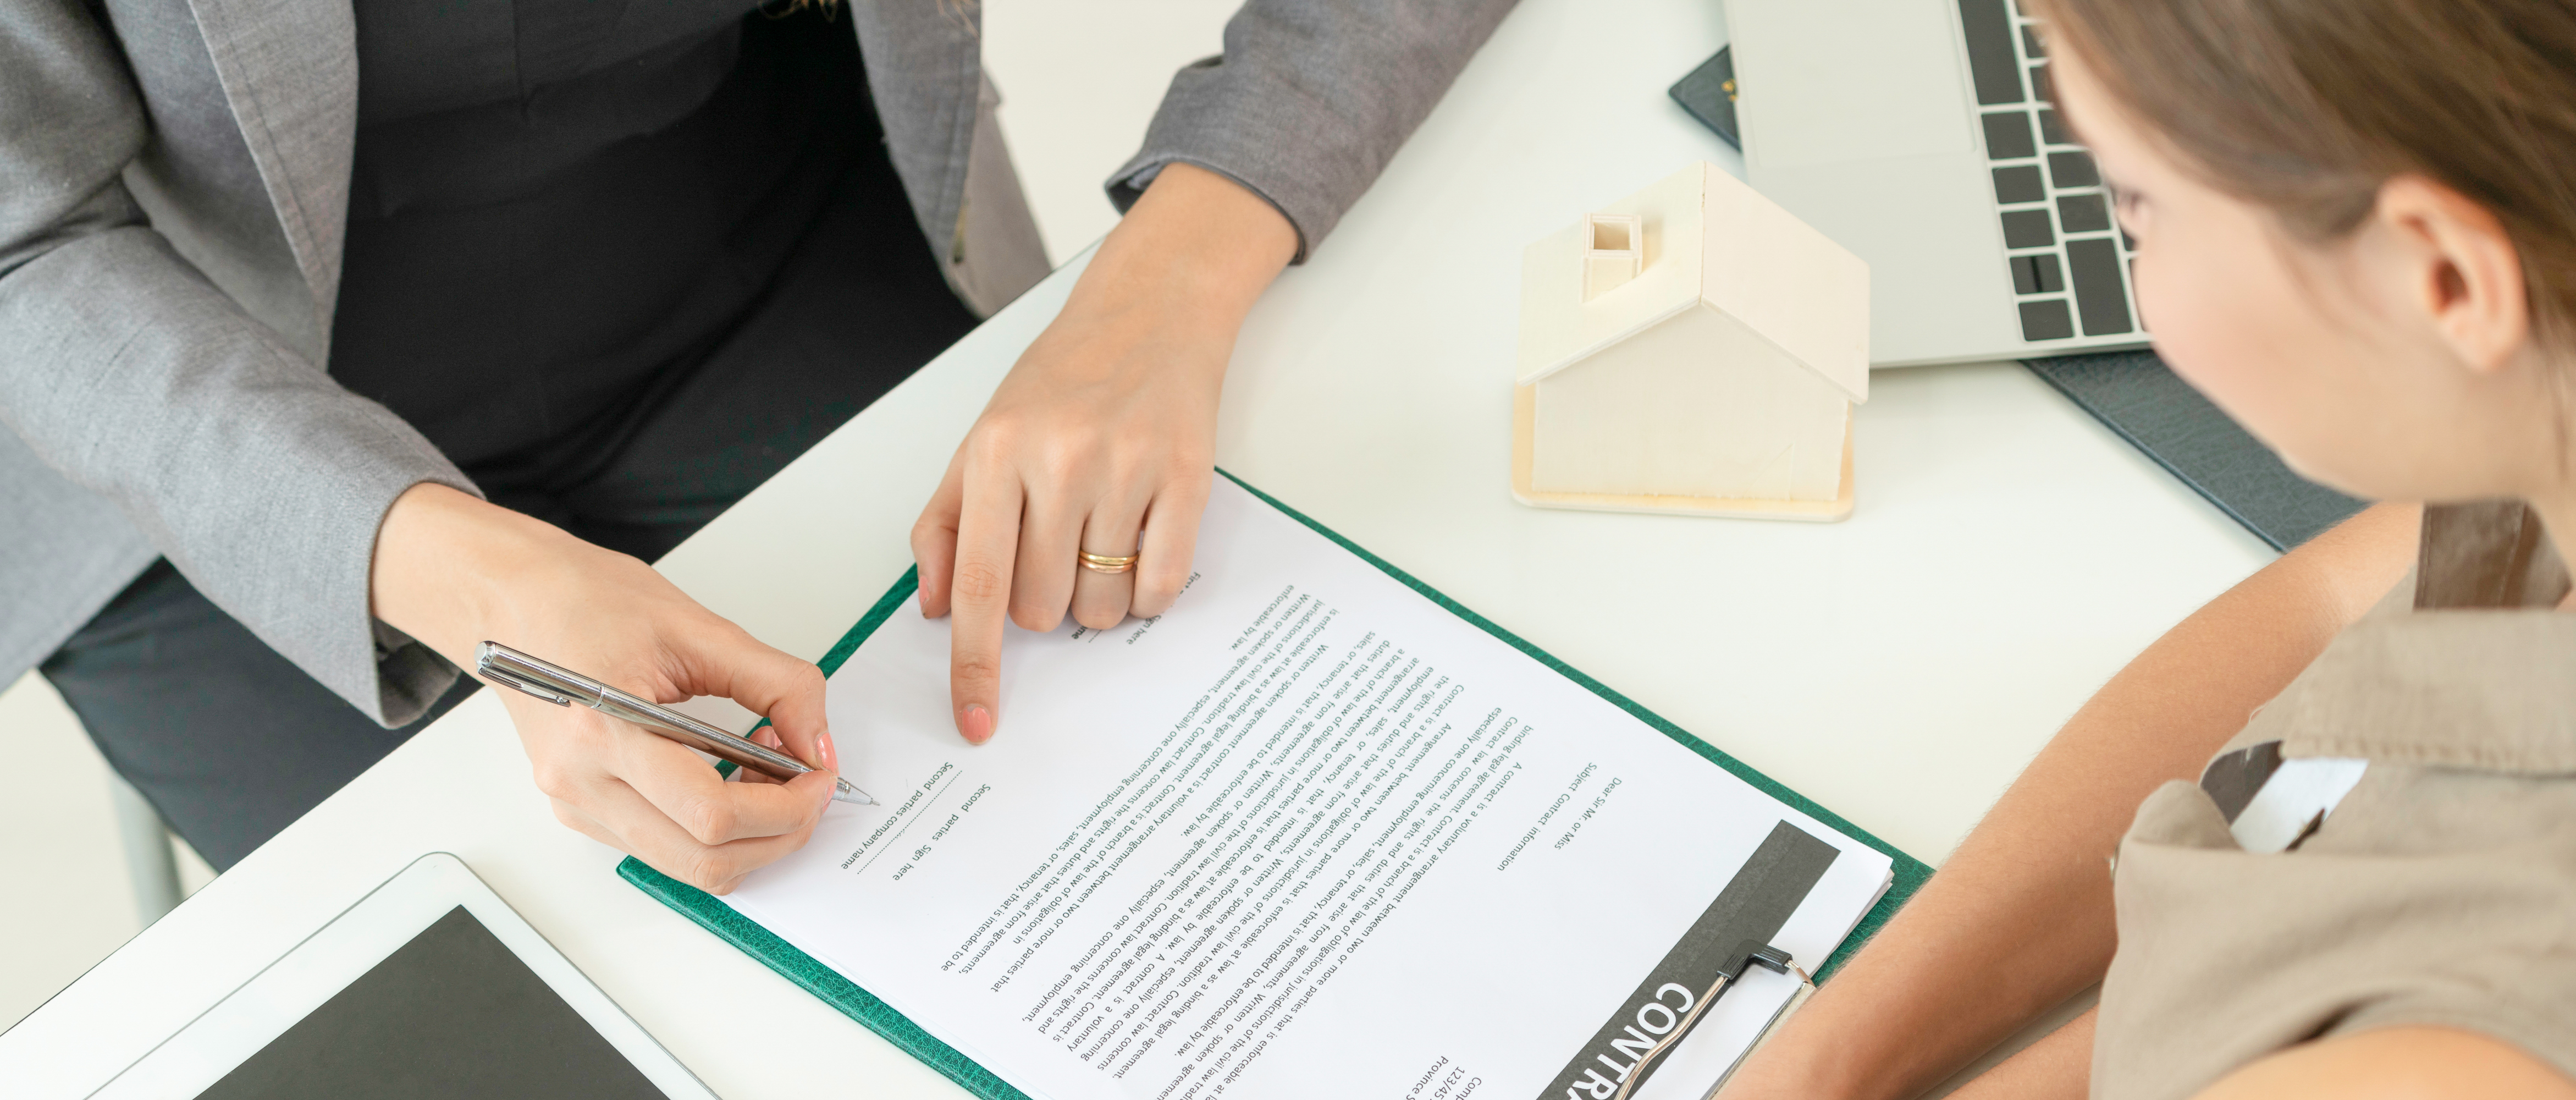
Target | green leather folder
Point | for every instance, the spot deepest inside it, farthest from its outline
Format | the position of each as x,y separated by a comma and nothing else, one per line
839,992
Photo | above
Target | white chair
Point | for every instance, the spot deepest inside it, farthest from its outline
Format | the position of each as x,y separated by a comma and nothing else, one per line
149,861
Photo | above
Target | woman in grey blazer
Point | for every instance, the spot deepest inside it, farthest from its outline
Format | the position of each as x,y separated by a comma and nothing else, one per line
339,335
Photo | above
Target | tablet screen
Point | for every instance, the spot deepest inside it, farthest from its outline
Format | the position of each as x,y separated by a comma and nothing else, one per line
451,1013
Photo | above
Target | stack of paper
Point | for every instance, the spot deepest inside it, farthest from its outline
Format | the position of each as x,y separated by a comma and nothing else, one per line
1308,834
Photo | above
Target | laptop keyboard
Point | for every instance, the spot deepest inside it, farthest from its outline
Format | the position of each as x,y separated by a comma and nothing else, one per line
2067,260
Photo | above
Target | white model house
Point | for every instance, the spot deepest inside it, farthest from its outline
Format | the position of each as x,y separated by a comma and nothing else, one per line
1690,349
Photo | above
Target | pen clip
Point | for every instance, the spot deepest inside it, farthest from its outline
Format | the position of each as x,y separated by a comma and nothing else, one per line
508,678
489,663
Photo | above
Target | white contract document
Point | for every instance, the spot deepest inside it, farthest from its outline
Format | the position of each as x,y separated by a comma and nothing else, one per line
1308,834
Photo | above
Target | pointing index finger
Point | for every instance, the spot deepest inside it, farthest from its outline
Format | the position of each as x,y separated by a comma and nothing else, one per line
979,594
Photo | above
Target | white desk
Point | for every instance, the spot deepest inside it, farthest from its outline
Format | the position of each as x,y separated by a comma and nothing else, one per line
2006,557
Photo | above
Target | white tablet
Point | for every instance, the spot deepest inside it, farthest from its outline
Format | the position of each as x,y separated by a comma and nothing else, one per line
430,986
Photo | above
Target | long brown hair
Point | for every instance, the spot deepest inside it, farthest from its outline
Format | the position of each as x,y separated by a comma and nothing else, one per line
2305,107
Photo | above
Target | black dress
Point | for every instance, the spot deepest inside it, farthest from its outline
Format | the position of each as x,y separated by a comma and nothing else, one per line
621,260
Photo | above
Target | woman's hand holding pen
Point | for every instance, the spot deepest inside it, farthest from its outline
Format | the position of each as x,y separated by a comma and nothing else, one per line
452,571
1102,439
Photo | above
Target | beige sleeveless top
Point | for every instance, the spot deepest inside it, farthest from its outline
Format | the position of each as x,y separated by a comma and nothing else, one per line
2440,891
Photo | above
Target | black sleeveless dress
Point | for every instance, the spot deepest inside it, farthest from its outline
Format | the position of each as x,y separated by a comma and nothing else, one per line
622,259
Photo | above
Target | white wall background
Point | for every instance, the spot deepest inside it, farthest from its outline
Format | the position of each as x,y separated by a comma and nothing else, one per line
64,898
1078,81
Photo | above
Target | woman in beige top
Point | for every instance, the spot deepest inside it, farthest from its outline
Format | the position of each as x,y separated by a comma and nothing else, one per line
2356,232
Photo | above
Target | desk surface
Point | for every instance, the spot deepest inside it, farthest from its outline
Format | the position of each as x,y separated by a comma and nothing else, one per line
2007,556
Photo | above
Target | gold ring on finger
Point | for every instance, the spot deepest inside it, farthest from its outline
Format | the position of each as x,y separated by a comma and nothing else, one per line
1103,563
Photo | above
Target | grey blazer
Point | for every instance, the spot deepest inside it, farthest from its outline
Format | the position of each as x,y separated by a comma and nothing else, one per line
174,183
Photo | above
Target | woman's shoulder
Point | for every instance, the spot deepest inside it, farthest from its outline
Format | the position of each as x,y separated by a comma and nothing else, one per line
2412,1063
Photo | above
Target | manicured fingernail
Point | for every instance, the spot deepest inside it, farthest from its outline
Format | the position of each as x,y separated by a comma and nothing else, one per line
831,758
976,725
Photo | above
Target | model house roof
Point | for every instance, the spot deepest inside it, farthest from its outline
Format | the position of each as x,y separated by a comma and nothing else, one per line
1703,239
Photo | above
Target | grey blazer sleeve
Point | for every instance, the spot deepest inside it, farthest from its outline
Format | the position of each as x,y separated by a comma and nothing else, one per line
1310,99
125,369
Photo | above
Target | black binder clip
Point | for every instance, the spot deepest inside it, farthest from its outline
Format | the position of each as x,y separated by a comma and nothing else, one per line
1748,953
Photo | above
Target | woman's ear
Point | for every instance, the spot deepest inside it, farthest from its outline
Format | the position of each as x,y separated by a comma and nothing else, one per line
2463,270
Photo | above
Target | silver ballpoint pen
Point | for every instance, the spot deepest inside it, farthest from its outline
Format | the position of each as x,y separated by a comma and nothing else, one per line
563,687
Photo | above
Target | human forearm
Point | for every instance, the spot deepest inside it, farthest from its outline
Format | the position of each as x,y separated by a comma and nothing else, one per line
2057,1067
1102,438
2019,917
453,571
1197,250
1100,442
446,564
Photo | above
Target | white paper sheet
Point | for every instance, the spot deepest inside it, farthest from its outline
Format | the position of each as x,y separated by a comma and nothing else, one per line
1307,834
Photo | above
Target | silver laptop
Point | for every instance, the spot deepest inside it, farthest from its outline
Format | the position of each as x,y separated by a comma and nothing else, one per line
1918,134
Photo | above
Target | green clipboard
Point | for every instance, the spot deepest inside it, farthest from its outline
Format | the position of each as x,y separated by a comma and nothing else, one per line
858,1004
